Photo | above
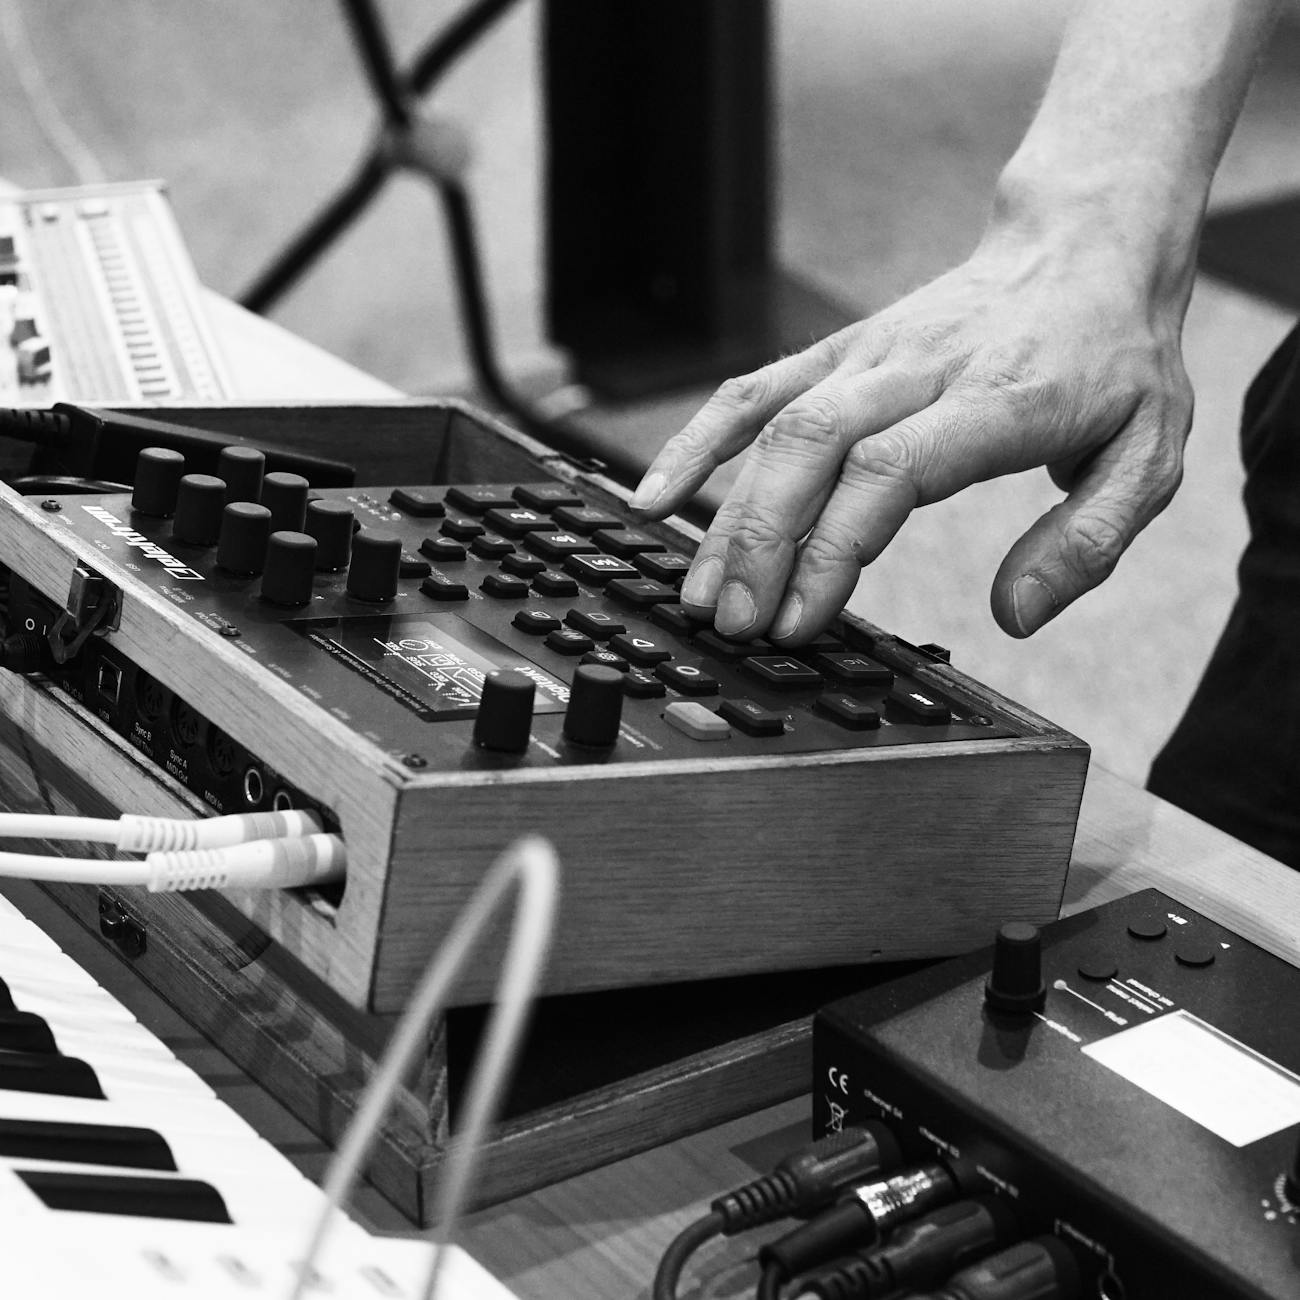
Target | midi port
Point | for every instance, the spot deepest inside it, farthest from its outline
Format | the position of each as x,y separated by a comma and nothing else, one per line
223,753
186,725
254,787
151,698
281,800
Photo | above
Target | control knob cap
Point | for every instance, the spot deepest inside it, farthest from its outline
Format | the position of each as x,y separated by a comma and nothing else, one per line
376,558
158,473
285,496
1015,985
241,469
505,711
330,523
200,499
595,706
241,547
290,567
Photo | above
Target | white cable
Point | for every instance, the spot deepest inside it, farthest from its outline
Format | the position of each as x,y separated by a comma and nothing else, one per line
74,151
532,863
133,833
262,864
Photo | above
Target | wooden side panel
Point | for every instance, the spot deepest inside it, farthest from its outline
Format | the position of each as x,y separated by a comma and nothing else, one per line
795,865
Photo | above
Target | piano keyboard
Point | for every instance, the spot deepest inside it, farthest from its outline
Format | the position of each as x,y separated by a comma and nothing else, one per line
112,1149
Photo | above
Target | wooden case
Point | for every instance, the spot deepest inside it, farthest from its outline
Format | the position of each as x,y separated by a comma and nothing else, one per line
673,870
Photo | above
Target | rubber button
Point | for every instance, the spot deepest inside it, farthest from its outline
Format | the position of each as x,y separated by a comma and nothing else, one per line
460,528
688,679
411,566
550,582
1148,927
666,566
784,673
595,623
545,496
517,521
480,497
599,569
638,685
1195,952
641,593
640,649
1099,966
442,549
568,642
556,546
695,721
626,542
523,566
491,547
536,622
423,503
730,651
752,718
441,587
505,586
606,659
586,519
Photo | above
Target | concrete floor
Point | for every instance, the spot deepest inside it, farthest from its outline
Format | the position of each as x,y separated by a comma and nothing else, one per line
894,117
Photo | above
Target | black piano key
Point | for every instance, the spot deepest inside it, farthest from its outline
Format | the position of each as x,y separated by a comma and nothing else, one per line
156,1198
23,1031
41,1072
85,1144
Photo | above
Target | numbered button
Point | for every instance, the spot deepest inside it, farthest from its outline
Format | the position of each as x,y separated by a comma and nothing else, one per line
551,582
784,673
491,546
505,586
668,566
854,668
545,496
586,519
641,593
442,549
597,570
555,546
626,542
479,497
517,521
688,679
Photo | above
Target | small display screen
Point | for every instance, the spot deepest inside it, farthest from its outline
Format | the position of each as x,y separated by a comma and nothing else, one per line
433,665
1211,1078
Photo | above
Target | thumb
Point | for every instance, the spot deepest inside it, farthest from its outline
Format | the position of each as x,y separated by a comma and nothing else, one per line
1076,545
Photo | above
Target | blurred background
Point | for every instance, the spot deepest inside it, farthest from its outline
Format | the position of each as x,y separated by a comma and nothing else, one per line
890,121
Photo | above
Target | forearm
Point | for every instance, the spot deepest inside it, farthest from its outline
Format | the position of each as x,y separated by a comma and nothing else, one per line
1141,103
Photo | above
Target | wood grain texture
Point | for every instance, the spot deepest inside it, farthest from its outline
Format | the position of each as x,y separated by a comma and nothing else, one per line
675,870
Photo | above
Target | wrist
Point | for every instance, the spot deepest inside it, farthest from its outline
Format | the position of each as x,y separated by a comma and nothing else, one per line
1125,223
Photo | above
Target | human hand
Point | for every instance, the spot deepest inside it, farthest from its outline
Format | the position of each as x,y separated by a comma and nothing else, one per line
1028,354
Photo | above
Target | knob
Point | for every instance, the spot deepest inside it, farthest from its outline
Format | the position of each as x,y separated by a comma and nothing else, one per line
200,499
285,496
158,473
330,523
241,546
505,711
1016,983
1291,1179
290,567
240,468
375,561
595,706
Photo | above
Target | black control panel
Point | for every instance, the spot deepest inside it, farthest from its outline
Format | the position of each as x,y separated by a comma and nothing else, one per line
1129,1079
464,627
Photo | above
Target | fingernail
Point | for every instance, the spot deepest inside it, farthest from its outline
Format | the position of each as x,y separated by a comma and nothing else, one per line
702,583
650,489
1033,603
736,609
787,619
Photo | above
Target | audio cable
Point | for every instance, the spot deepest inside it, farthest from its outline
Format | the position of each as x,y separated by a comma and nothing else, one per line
919,1254
804,1182
1044,1268
270,850
865,1216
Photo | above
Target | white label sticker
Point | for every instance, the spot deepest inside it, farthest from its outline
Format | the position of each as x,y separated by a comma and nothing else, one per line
1211,1078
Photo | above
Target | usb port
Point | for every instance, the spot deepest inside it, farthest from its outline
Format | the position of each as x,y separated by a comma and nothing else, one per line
108,680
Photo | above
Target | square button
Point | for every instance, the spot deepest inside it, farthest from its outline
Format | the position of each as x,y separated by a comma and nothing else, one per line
550,582
517,521
422,502
546,496
478,497
599,569
489,546
595,623
695,721
641,593
752,718
848,712
640,649
442,549
849,666
586,519
626,542
687,678
555,546
666,566
783,672
441,587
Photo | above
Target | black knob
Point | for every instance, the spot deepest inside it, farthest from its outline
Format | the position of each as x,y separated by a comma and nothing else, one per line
285,496
200,499
595,706
1016,983
375,561
330,523
290,567
158,473
1291,1181
245,528
505,711
241,468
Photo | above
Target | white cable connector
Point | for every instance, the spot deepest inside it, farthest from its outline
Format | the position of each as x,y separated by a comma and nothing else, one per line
133,833
264,864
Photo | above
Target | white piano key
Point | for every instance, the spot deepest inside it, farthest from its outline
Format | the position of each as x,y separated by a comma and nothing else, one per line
185,1115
